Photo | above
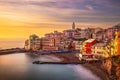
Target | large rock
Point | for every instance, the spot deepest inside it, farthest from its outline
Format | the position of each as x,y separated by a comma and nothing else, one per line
118,73
107,64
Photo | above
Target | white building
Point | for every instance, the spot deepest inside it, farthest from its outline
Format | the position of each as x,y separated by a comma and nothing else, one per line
98,49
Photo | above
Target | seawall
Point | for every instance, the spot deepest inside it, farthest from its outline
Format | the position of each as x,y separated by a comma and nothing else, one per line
11,51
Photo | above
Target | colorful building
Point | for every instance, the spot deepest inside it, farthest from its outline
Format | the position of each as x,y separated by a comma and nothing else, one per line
76,45
113,47
99,36
119,43
87,46
111,32
69,33
116,44
56,34
47,42
98,50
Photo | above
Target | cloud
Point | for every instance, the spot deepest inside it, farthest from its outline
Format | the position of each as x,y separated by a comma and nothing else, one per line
90,7
94,11
24,17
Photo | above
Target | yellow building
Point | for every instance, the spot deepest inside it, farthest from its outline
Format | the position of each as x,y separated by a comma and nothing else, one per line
113,48
117,44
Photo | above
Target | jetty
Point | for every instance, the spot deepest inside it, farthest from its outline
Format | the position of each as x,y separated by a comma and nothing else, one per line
12,50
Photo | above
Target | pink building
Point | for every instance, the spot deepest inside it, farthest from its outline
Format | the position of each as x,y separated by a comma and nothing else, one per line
110,33
69,33
56,34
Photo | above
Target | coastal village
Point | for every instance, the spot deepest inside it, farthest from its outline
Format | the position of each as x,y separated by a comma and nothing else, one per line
59,39
91,41
90,44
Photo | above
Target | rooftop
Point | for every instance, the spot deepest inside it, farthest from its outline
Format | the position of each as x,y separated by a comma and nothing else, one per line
90,40
70,30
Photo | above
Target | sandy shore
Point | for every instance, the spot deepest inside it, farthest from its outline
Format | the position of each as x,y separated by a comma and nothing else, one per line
50,58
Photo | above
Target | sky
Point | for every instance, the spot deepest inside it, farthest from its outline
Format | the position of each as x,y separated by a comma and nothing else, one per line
20,18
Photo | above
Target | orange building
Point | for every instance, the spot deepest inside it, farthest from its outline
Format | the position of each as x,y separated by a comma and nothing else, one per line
118,42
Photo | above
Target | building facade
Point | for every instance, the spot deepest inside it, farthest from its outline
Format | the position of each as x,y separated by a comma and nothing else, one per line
87,46
98,50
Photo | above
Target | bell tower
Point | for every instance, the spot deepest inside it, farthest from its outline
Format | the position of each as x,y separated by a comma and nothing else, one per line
73,25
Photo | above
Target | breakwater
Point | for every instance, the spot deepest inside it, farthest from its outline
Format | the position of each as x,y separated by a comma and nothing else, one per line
12,50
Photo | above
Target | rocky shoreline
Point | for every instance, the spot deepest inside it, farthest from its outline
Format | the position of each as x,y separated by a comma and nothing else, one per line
95,69
107,69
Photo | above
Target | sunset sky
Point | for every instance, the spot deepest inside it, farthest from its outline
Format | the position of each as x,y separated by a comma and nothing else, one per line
20,18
